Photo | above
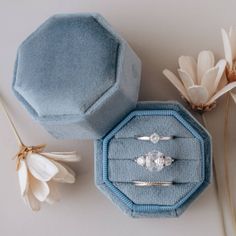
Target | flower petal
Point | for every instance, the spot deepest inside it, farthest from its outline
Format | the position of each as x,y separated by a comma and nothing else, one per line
189,65
232,38
233,95
63,176
23,177
70,170
40,167
186,78
176,82
39,189
208,80
205,61
223,82
54,195
198,94
62,156
221,64
31,201
221,92
227,48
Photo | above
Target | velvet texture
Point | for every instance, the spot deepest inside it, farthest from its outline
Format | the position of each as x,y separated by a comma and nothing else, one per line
76,76
191,171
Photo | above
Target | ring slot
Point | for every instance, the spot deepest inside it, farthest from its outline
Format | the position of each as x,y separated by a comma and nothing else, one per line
155,195
180,171
148,124
128,149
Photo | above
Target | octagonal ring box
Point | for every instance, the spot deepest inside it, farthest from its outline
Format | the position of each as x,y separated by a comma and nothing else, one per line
190,173
76,76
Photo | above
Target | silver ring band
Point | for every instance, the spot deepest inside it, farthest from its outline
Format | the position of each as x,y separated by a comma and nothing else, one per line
154,160
149,184
154,138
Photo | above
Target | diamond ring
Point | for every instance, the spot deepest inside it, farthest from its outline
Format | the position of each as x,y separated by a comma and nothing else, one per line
154,161
148,184
154,138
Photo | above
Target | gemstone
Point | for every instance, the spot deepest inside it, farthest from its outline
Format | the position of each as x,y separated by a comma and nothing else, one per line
154,138
150,164
168,161
141,161
160,161
154,161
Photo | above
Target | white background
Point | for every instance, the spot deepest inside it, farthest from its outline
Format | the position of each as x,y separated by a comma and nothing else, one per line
159,31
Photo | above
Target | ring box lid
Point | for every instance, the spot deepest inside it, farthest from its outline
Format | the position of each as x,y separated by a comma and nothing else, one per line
71,67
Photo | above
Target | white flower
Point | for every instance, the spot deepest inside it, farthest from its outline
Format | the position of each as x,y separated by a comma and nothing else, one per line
201,82
39,172
229,41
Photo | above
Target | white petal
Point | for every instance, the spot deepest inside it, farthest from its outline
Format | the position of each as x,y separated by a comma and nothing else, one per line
223,82
70,170
227,48
186,78
63,176
176,82
54,195
205,61
208,80
221,64
65,153
221,92
233,95
40,167
62,156
32,201
232,38
23,177
39,189
198,94
189,65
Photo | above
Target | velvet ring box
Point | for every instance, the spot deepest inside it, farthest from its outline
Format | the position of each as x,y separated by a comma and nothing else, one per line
79,78
190,173
76,76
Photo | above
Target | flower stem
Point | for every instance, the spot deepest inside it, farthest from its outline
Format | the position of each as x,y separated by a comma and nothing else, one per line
226,156
219,202
4,109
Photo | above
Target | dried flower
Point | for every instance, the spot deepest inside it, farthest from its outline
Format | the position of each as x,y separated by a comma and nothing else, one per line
39,172
229,41
201,83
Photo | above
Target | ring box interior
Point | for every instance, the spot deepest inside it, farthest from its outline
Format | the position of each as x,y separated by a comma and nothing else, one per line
116,168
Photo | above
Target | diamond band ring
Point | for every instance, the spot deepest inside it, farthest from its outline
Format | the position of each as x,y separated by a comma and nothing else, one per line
149,184
154,138
154,161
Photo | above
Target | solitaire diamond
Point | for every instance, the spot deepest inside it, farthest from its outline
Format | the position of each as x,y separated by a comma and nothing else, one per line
154,138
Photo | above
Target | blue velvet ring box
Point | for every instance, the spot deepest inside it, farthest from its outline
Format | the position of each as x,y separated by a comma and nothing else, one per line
190,173
77,76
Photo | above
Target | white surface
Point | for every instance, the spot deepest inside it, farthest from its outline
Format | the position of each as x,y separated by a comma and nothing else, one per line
159,31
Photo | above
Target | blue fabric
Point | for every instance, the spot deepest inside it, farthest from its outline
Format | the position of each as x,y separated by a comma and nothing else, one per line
116,169
181,171
73,72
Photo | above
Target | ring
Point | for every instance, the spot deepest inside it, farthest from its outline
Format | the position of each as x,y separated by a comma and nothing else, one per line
149,184
154,161
154,138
